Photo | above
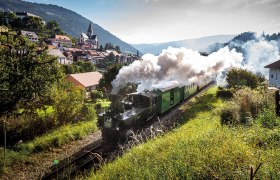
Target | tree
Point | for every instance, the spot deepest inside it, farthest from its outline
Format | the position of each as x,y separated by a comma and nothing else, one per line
53,28
34,24
109,76
101,48
95,94
67,101
85,66
118,49
242,77
109,46
24,73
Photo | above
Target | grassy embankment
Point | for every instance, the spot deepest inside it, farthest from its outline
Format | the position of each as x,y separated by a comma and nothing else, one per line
55,138
201,148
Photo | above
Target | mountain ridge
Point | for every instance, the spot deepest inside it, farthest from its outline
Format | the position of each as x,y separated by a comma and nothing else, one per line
198,44
71,22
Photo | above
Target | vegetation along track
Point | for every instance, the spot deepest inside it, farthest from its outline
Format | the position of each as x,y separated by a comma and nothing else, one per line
91,154
95,154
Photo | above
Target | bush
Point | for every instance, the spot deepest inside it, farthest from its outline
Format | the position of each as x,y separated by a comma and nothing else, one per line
89,112
224,93
26,127
242,77
230,113
245,106
94,95
268,118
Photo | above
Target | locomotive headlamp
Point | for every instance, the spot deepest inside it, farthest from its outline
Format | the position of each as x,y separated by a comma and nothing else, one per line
108,122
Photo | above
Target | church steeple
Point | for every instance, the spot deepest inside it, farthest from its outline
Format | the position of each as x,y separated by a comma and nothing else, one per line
89,31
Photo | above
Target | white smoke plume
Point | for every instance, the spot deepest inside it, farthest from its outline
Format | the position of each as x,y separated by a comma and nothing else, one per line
260,53
184,66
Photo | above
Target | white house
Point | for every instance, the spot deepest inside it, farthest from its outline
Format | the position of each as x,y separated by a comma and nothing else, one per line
274,74
60,57
30,35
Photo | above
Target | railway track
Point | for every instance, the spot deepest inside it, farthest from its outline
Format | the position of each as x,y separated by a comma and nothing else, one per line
94,153
91,154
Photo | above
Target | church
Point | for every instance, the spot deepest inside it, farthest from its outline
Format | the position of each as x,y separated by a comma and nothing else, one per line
88,40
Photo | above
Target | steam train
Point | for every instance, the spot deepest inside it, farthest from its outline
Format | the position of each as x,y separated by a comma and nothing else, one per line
128,114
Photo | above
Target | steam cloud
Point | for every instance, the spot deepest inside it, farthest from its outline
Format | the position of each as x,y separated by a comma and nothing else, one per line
184,66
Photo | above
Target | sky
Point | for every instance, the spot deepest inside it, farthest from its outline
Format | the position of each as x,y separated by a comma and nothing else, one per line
154,21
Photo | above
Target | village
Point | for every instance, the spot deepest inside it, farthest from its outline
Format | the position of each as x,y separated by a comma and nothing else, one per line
86,48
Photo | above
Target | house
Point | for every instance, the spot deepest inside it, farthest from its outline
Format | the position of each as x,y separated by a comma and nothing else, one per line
88,40
274,74
69,56
88,81
60,57
61,40
30,35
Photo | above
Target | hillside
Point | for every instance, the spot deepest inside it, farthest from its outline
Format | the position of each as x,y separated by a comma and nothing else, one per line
202,149
198,44
245,39
71,22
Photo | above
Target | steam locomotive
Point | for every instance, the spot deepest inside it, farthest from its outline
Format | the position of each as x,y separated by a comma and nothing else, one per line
128,114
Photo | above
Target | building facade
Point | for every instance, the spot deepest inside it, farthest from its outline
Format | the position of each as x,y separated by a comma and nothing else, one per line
61,40
274,74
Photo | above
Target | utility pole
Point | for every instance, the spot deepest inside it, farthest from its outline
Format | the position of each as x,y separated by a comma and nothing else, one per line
5,141
277,105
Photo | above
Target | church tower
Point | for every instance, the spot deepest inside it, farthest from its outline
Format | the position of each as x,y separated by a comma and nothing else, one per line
89,31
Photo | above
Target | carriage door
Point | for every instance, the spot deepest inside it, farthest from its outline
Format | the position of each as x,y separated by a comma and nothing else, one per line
171,97
155,101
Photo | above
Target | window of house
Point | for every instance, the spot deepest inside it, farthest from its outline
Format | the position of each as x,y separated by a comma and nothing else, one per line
271,76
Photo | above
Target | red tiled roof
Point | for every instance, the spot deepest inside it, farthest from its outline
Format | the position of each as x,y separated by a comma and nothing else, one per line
91,52
62,37
275,65
87,79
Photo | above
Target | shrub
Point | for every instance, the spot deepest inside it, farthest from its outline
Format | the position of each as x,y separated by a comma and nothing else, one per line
224,93
94,95
245,106
88,112
268,118
230,113
242,77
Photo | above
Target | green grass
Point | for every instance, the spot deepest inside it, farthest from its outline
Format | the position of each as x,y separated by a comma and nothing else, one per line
55,138
11,158
60,136
200,149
